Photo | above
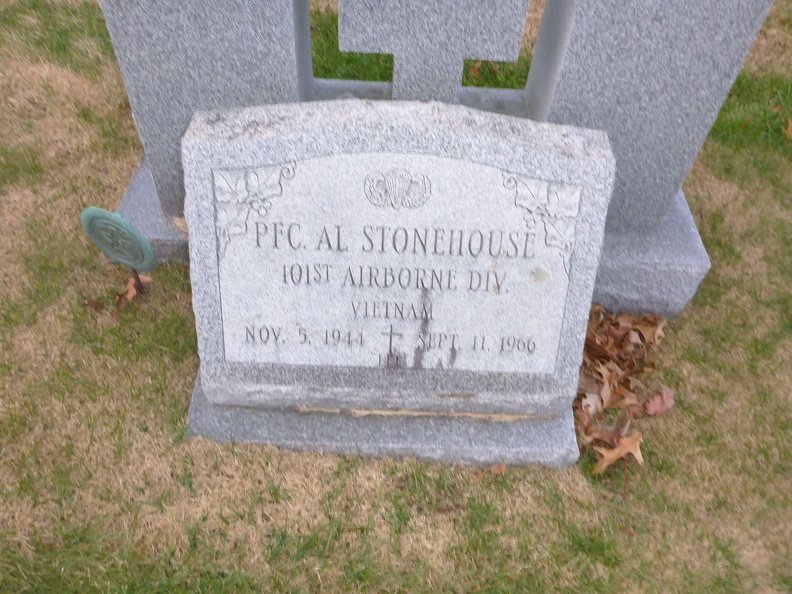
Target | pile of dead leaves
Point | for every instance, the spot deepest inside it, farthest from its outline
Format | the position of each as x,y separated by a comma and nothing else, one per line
612,392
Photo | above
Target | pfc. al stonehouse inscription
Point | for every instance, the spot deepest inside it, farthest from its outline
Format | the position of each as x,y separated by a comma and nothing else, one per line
408,258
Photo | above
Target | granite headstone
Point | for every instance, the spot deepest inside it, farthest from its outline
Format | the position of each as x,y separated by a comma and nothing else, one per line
392,278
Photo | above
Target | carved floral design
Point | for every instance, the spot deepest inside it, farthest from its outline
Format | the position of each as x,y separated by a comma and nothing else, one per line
397,189
549,207
241,193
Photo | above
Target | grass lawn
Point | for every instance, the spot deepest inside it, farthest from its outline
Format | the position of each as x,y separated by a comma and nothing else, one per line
101,491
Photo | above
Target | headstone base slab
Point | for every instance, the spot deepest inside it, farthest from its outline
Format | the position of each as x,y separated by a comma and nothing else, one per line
660,280
547,441
141,207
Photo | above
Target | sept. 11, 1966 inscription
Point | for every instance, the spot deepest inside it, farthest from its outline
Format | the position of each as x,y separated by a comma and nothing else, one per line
393,261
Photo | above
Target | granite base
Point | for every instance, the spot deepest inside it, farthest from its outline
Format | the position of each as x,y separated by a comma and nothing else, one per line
141,207
661,279
548,442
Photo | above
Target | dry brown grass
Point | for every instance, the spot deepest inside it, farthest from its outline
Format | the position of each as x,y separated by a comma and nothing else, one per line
90,430
772,51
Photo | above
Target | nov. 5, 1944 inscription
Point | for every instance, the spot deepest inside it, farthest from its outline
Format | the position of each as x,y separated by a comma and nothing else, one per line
394,261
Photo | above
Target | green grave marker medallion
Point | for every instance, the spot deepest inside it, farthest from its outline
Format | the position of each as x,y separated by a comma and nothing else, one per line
118,239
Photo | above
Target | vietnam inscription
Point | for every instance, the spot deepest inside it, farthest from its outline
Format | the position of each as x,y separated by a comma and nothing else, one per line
393,261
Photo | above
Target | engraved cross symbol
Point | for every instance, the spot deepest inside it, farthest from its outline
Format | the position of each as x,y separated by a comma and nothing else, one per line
390,335
429,40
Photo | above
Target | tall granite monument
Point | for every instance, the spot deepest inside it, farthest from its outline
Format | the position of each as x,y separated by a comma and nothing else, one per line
653,75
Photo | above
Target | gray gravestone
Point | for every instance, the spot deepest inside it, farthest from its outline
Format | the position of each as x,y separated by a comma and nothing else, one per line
177,57
430,39
654,76
392,278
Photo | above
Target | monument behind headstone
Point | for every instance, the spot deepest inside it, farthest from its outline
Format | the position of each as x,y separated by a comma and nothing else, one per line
430,39
392,278
654,76
651,74
178,57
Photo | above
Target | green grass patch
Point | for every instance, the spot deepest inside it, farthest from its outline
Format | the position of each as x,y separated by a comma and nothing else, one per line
750,130
330,62
72,36
18,165
87,561
114,136
142,329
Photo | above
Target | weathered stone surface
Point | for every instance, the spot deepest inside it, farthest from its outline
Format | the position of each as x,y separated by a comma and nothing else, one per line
661,279
430,39
434,438
654,76
393,260
177,57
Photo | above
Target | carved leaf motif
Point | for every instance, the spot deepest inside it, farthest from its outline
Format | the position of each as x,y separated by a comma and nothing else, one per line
531,193
264,181
560,234
241,192
554,206
230,185
563,200
231,220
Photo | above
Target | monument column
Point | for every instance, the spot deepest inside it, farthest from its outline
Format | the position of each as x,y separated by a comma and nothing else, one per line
430,40
177,57
653,75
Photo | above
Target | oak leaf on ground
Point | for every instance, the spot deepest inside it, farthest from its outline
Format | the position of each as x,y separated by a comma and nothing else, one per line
659,403
625,445
619,355
496,470
96,304
131,294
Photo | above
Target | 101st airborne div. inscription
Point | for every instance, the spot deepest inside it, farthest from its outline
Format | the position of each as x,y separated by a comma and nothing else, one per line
400,284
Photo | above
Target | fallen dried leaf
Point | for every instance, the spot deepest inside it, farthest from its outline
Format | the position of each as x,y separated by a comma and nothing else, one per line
627,397
624,446
119,305
475,70
94,304
587,384
619,355
652,333
133,291
659,403
496,470
592,404
788,129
